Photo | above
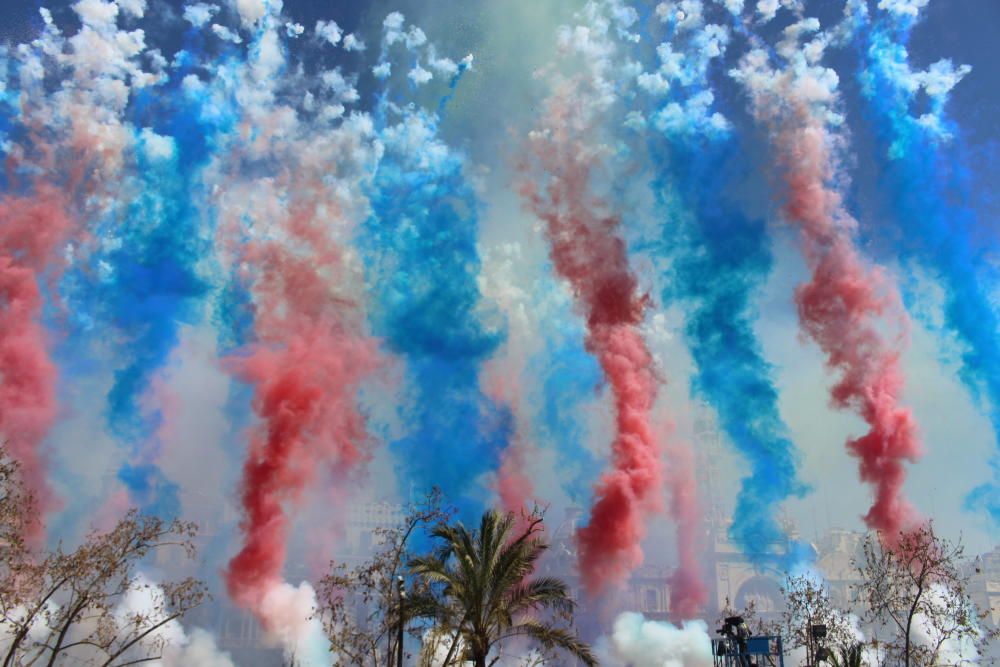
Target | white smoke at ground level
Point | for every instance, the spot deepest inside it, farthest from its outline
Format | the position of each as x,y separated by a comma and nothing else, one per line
638,642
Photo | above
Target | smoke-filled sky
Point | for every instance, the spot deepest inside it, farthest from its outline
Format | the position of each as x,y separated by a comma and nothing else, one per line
261,260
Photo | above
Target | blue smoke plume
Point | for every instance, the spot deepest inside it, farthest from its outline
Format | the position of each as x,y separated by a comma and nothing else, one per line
569,377
153,286
419,248
926,185
720,257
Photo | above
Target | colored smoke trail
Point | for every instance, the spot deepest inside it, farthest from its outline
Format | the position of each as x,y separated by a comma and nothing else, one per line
719,259
32,229
688,593
931,229
422,262
65,152
839,307
288,195
570,378
587,251
149,289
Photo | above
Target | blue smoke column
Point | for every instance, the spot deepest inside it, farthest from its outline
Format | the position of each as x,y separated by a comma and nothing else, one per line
569,377
718,259
153,287
419,248
926,183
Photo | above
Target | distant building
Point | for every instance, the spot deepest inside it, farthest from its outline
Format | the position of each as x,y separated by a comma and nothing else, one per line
985,584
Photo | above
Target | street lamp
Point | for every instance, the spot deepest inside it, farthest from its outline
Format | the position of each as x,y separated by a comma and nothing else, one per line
815,651
402,621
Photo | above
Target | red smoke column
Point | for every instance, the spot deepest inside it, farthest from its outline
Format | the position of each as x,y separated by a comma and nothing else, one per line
841,304
308,361
838,309
688,593
32,232
586,249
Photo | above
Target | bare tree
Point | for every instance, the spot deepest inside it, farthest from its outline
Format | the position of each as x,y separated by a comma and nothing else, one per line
807,604
916,585
360,606
750,616
68,605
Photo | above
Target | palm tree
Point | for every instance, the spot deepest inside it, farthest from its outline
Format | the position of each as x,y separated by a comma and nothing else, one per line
850,656
481,595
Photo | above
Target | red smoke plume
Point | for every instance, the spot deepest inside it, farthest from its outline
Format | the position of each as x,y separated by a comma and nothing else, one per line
306,366
587,250
688,593
32,231
838,308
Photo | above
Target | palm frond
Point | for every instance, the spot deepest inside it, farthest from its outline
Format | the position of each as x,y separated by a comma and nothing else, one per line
543,592
555,637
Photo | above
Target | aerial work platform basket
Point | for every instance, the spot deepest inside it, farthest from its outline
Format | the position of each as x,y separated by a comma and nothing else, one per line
735,647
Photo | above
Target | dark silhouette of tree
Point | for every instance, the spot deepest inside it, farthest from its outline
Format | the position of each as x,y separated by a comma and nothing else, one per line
918,580
359,606
63,607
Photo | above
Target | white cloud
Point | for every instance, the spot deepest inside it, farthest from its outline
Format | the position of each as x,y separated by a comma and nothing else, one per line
734,7
653,83
419,75
156,146
199,13
96,13
353,43
251,11
415,37
767,9
136,8
941,77
903,7
339,85
329,31
222,32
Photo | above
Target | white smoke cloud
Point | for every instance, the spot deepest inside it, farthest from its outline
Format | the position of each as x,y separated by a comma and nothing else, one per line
767,9
329,31
156,146
222,32
96,13
288,613
638,642
924,632
353,43
136,8
145,600
251,11
419,76
199,13
903,7
941,77
142,606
